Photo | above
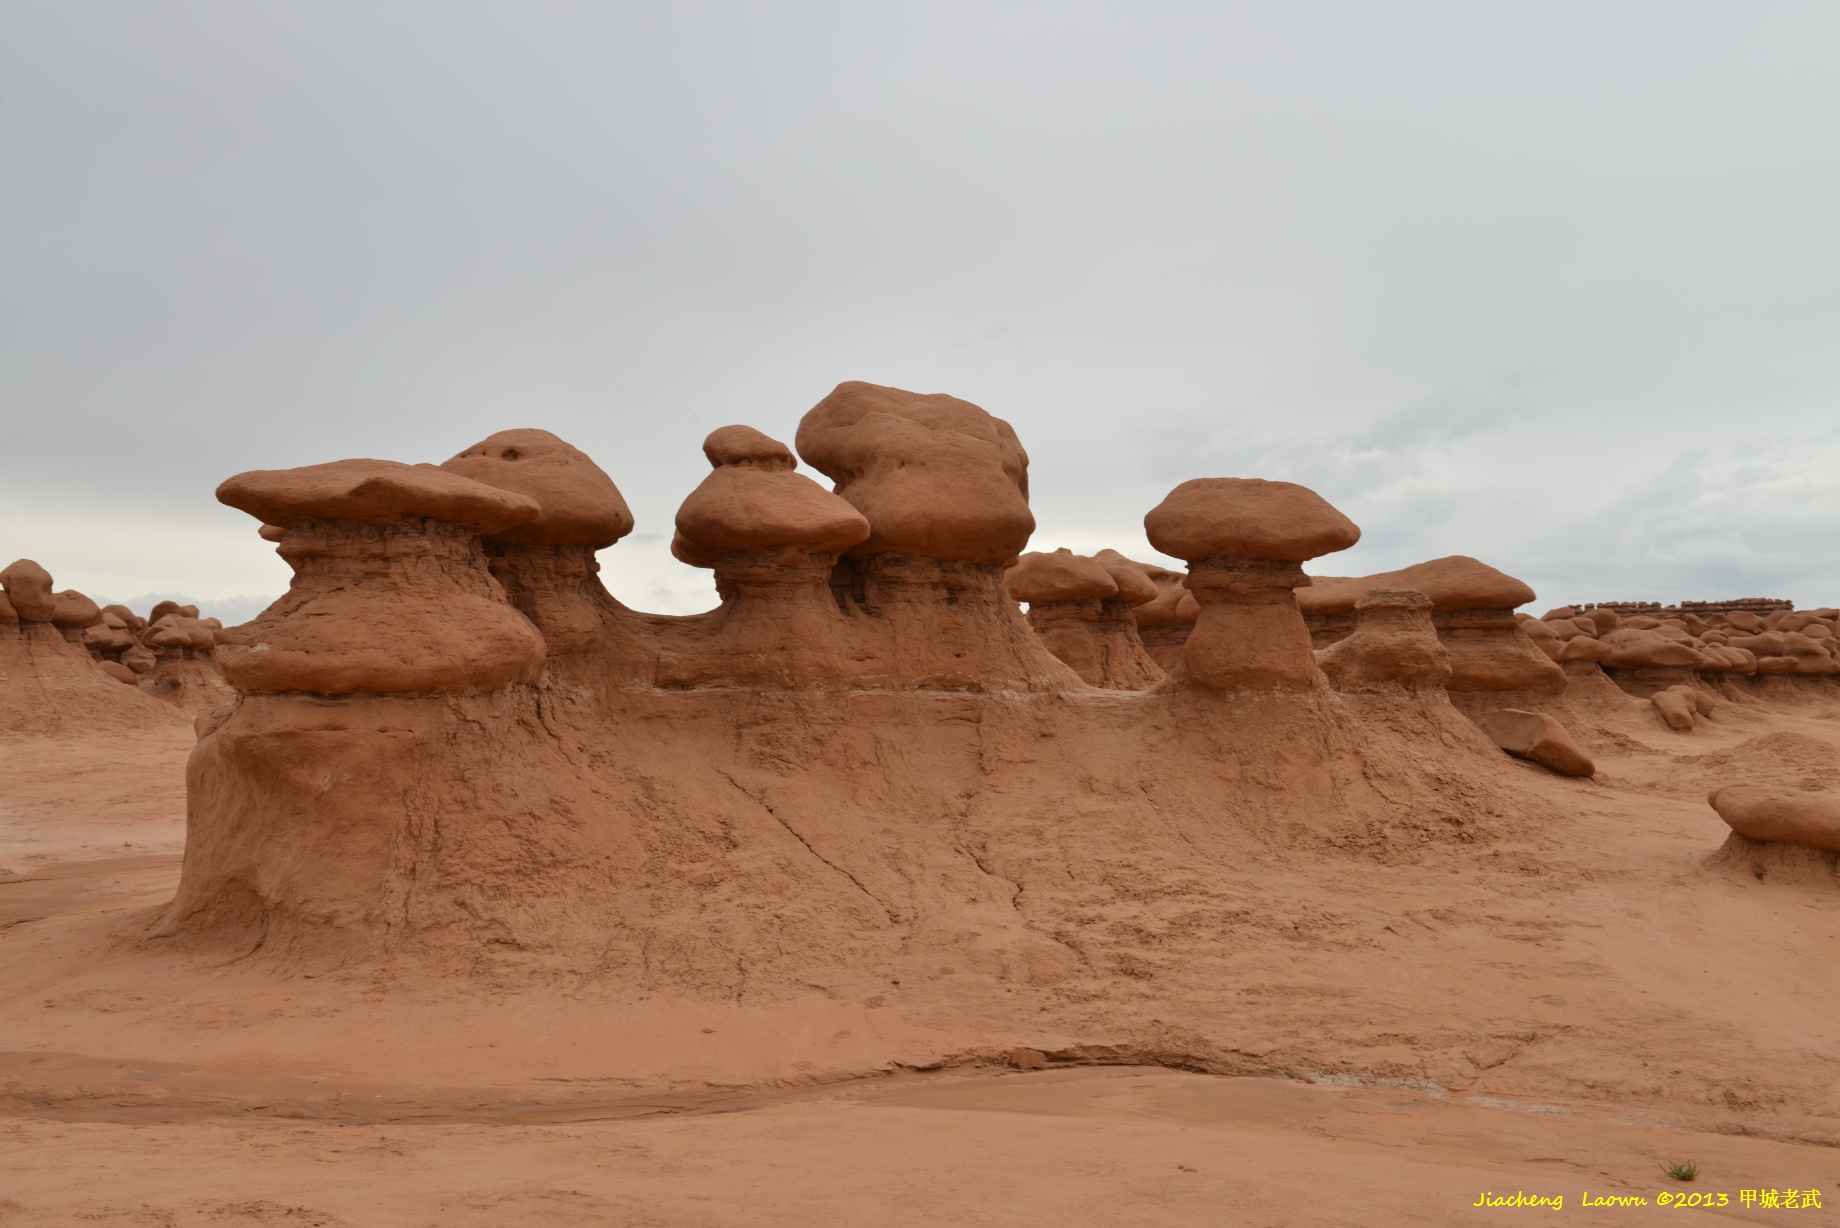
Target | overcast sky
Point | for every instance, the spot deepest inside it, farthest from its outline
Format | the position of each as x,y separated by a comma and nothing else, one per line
1553,284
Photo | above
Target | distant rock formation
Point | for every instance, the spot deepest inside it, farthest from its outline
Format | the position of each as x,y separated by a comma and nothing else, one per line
1165,622
1493,663
1082,609
62,667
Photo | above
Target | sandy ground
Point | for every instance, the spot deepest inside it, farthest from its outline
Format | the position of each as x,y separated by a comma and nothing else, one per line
90,1136
1099,1146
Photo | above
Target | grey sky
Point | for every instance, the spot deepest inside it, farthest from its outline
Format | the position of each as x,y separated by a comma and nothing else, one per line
1556,284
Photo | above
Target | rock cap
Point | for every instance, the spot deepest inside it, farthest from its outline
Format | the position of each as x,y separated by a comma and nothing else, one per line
1454,582
936,477
1206,518
28,586
753,501
1041,577
580,505
376,492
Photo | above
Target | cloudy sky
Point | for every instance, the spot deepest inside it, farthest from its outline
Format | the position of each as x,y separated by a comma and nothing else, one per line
1556,284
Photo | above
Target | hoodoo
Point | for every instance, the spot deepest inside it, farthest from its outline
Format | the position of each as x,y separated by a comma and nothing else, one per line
944,487
1394,644
772,537
391,593
1165,622
1493,663
1082,609
52,680
1245,541
546,563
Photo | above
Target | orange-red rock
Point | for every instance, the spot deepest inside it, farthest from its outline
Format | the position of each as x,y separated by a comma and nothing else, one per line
1537,737
1393,644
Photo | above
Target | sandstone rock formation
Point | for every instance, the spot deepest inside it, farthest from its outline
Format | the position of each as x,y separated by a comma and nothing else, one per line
1245,541
1537,737
1648,649
944,487
1165,622
50,683
811,785
547,564
1082,609
184,672
1393,644
1472,607
1780,814
773,538
391,591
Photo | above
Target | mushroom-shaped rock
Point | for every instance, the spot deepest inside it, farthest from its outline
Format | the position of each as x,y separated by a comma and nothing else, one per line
754,502
944,488
108,638
376,492
936,477
1472,606
28,587
1779,814
1393,645
1245,540
1136,581
7,613
391,592
1059,576
128,618
579,504
772,537
72,609
71,612
1536,737
1248,518
1455,582
185,672
547,565
1078,610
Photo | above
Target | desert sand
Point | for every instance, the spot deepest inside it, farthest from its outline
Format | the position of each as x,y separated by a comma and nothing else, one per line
1242,895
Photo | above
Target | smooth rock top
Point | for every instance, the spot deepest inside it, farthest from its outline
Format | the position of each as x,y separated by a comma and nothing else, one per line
72,609
936,477
580,504
753,502
28,587
1249,518
1062,575
376,492
1455,582
1780,814
1135,585
743,445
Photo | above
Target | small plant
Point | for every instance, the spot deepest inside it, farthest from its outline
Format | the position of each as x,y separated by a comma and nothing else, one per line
1680,1171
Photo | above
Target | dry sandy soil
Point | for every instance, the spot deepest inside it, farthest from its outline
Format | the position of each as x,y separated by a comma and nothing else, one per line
105,1121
